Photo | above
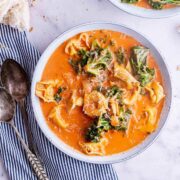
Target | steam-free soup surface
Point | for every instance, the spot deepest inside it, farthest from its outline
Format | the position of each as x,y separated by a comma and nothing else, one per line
58,67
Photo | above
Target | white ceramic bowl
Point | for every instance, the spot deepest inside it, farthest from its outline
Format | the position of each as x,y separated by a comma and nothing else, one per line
58,142
146,13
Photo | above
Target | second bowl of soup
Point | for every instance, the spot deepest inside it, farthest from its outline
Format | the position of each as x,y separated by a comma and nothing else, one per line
149,8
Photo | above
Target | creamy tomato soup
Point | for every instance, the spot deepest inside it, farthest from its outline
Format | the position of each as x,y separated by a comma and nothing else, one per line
153,4
101,92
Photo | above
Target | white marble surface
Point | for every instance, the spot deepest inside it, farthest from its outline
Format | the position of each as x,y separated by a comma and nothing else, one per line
50,18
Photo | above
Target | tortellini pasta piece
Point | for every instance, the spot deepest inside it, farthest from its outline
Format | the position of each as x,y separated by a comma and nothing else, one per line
128,67
115,112
71,47
95,104
115,121
87,86
56,118
47,89
114,106
75,45
84,38
75,100
156,91
150,125
92,148
131,96
121,73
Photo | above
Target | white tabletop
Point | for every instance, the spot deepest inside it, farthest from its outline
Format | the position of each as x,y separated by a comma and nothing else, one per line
50,18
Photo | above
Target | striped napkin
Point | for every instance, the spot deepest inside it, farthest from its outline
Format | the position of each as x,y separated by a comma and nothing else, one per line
59,166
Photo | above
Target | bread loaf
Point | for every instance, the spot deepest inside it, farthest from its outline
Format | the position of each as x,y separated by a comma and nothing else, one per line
15,13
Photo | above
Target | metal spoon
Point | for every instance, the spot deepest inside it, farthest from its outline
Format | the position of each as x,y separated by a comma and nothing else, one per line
7,110
178,29
15,80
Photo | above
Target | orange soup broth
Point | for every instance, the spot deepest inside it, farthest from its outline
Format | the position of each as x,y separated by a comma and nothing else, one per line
145,4
59,68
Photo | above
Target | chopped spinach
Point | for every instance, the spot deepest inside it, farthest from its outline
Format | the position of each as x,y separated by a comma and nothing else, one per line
57,96
84,57
60,90
114,91
100,125
160,4
112,43
155,4
75,65
98,62
123,120
91,61
129,1
120,55
103,124
139,65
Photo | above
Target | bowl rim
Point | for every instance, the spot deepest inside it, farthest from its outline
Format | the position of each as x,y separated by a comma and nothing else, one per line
53,138
145,13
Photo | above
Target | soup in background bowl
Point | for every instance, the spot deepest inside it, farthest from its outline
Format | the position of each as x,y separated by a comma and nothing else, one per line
101,93
149,8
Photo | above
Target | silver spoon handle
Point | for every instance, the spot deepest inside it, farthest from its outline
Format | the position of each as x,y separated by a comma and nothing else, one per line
31,144
35,163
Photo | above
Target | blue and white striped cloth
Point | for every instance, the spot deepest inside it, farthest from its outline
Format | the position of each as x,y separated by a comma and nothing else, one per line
14,44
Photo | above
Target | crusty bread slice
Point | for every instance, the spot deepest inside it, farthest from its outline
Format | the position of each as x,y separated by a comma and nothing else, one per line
15,13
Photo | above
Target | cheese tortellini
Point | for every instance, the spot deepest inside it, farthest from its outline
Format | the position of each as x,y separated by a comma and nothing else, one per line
131,96
47,89
75,100
121,73
156,91
91,148
56,117
75,45
95,104
114,105
150,125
